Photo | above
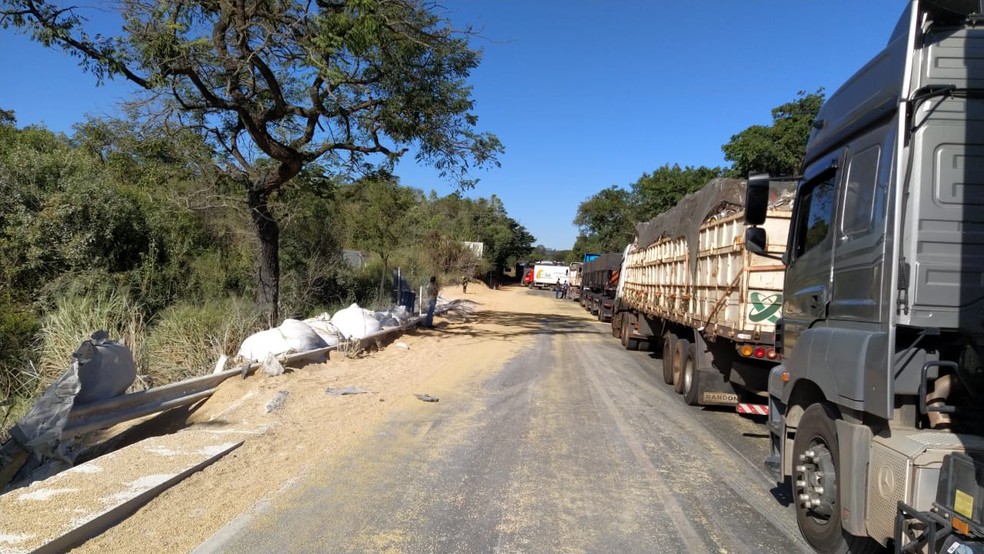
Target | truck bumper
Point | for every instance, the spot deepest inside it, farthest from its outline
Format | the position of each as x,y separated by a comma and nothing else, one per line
954,522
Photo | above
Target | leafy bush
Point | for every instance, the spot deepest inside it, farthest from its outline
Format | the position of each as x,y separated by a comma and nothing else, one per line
18,328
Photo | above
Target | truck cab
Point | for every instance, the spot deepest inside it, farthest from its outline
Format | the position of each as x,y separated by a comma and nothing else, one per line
876,408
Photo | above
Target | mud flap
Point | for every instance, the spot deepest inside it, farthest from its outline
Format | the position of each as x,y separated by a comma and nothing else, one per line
777,426
714,389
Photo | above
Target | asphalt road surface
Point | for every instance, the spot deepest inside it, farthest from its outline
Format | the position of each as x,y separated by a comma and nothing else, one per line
574,446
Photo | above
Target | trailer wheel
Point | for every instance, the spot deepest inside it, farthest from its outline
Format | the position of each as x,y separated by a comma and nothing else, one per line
816,470
681,354
669,345
691,380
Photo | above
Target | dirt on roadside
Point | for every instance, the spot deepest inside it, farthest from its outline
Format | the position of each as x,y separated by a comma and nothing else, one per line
315,424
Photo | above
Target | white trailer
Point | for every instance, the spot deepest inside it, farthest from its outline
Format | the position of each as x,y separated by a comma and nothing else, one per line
688,284
546,275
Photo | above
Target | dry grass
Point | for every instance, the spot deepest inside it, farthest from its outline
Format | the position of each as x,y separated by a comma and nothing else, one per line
76,317
188,339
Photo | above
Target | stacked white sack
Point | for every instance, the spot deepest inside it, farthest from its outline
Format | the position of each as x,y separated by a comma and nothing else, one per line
355,323
291,337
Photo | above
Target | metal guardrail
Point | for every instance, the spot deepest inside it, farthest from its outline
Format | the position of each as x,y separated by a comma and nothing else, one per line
107,413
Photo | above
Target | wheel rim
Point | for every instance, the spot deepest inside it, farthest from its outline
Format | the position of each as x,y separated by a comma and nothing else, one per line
688,377
816,482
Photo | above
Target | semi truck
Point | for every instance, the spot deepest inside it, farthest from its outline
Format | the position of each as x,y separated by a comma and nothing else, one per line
688,284
597,287
575,275
877,407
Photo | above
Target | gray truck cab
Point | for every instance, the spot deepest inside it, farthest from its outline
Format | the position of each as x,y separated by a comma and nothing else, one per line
881,385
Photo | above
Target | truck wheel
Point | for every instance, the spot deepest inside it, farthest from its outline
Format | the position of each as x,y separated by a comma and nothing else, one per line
691,380
624,336
816,470
669,345
681,354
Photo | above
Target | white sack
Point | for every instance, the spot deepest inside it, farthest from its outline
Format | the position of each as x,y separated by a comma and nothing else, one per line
355,323
291,337
323,327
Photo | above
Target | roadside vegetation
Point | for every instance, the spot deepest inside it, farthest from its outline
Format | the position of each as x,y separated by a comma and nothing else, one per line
259,149
112,228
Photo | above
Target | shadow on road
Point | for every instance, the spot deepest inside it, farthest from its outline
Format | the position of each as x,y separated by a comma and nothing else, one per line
516,323
782,493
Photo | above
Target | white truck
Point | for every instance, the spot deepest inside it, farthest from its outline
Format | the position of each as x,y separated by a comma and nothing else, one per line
546,274
689,284
574,280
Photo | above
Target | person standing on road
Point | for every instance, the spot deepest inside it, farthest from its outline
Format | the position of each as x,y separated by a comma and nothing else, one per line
565,289
557,289
432,290
464,284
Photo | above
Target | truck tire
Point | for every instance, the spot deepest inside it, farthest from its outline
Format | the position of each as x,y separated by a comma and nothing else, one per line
624,335
816,465
691,380
669,345
681,356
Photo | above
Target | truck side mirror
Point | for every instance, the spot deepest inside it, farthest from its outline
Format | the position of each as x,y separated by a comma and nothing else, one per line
756,199
755,240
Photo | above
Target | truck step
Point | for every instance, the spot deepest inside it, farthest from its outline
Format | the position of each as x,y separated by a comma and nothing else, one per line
753,409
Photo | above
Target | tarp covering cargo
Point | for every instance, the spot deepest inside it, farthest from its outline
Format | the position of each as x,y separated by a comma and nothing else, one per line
689,264
596,273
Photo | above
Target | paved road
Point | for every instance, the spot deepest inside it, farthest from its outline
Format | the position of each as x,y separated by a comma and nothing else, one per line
573,446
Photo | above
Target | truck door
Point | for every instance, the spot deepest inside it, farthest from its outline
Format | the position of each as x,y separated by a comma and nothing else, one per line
810,255
859,291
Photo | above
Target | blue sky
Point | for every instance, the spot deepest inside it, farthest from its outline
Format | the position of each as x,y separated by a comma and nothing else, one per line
583,94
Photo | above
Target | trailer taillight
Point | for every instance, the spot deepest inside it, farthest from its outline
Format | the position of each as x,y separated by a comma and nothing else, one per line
760,352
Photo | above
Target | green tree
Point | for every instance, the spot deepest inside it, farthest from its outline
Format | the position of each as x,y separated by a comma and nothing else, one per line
378,218
605,222
445,222
276,86
777,149
653,194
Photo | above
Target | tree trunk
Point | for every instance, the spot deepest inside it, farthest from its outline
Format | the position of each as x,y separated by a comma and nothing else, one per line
268,263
